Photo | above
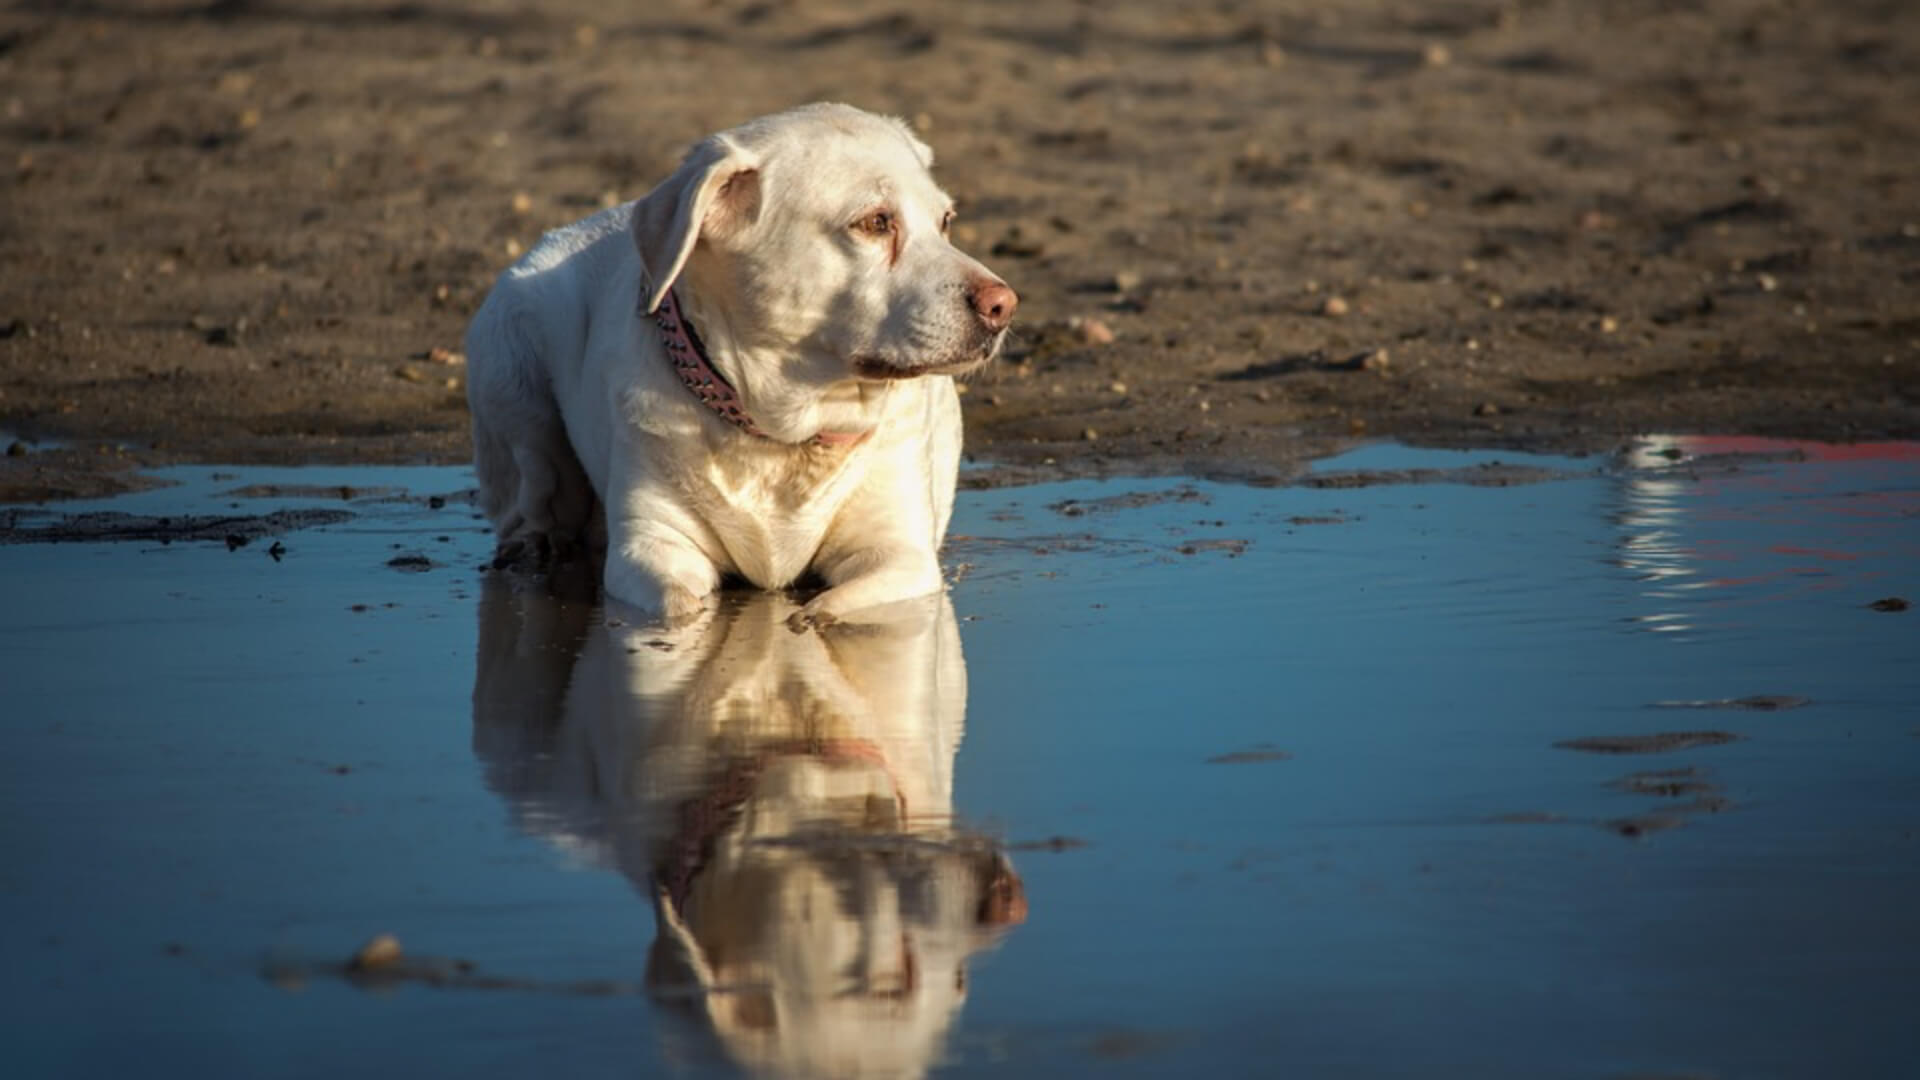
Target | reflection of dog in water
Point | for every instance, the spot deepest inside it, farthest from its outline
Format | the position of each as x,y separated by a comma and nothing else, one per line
785,798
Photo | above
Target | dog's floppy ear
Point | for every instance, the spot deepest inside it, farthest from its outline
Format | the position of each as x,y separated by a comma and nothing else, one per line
715,192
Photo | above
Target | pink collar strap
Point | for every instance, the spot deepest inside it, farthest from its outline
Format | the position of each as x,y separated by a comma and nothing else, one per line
688,355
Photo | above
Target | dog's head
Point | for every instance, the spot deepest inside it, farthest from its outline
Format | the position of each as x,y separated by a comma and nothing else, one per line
820,233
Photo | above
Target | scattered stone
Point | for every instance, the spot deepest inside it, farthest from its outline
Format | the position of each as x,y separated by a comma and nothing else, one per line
1091,331
1436,55
411,562
16,448
1486,408
1090,435
380,953
1885,603
1659,743
1371,360
409,374
1126,281
445,356
1334,307
522,202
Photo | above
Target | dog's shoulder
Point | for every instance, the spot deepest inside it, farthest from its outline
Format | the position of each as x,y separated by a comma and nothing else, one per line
591,242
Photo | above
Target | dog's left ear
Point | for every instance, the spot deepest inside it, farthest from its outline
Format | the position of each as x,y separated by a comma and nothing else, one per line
714,193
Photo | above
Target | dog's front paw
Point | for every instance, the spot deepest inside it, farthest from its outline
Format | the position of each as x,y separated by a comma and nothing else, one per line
810,618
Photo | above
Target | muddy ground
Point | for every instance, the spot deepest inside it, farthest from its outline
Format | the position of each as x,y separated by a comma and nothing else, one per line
252,230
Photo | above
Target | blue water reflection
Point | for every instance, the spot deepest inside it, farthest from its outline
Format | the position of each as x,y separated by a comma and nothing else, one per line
1277,767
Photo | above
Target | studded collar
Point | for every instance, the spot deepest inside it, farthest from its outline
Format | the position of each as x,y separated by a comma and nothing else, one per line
688,355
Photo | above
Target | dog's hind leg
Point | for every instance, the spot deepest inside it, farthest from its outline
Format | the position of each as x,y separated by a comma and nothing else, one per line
532,487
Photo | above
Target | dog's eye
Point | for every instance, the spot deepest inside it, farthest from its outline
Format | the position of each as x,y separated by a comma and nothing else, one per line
878,223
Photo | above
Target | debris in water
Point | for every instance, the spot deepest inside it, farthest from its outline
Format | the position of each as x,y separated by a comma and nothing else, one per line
1755,702
1659,743
1250,757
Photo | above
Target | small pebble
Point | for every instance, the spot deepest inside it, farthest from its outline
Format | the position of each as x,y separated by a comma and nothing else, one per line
1437,55
1768,283
1333,307
513,248
383,951
522,202
407,374
1126,281
1486,408
1117,387
1093,332
441,355
1090,435
1609,324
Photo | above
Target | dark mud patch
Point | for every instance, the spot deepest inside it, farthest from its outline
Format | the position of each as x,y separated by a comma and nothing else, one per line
1658,743
342,492
1667,783
1252,756
1674,817
1133,500
17,527
1232,548
1054,844
1491,474
1752,703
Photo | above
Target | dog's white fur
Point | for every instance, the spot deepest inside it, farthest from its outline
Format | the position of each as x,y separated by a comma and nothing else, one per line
822,321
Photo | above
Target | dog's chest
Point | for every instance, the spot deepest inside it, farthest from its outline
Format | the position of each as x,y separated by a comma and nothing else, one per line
771,520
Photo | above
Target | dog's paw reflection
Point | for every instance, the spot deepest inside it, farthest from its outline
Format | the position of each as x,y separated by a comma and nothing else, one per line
785,798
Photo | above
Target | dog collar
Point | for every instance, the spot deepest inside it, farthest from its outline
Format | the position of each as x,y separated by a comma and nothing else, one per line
688,355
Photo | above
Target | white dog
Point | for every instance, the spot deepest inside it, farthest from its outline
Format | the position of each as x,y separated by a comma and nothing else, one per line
750,371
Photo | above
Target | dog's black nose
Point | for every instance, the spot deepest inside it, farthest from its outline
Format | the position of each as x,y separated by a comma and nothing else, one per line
993,302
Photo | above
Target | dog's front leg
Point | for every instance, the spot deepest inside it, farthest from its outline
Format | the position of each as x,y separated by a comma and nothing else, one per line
867,577
652,562
662,576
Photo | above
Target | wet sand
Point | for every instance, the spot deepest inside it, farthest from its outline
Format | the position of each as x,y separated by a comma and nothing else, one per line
253,230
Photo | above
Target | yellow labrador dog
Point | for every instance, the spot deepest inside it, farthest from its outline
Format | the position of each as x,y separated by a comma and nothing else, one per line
749,371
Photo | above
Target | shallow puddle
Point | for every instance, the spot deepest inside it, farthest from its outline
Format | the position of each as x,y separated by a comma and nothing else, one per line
1426,766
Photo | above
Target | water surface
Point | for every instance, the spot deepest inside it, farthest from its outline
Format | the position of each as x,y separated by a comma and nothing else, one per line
1180,779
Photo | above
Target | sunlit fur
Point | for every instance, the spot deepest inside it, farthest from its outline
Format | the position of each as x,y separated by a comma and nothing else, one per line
821,325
